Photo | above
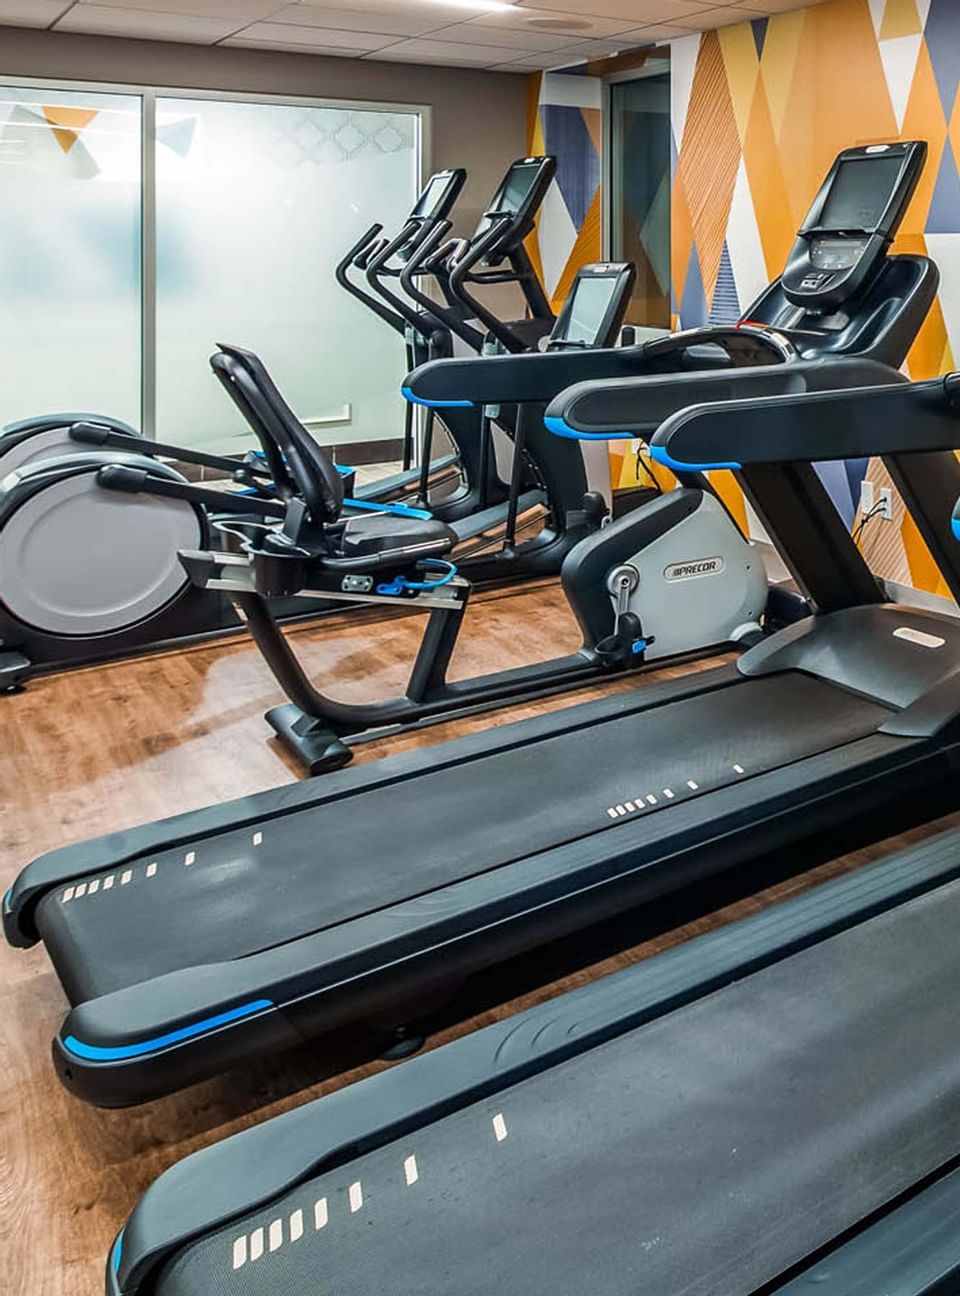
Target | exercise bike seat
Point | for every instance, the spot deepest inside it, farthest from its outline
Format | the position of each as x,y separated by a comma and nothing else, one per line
391,538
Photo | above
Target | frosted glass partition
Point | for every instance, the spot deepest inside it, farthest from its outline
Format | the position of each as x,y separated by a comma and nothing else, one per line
70,169
256,202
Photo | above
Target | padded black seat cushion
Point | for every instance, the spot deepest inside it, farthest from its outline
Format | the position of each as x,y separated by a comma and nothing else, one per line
399,536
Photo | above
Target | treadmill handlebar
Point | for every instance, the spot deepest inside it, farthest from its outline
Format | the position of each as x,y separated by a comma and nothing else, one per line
518,379
889,416
638,406
755,339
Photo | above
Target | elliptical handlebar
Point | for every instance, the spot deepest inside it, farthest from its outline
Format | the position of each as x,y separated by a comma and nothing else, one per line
461,268
416,236
353,259
430,258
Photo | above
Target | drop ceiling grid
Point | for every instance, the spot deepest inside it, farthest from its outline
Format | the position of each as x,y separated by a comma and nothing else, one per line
517,37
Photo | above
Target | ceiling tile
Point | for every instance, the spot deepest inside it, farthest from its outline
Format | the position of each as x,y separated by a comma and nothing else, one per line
469,33
775,6
142,24
436,51
240,10
270,33
329,51
598,48
657,32
391,20
574,24
637,12
32,13
723,17
544,62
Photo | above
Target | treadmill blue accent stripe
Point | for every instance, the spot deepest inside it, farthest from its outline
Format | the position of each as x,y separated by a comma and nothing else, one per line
435,404
559,428
94,1053
661,456
955,528
117,1253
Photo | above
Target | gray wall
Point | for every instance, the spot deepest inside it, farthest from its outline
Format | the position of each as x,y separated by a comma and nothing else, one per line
479,118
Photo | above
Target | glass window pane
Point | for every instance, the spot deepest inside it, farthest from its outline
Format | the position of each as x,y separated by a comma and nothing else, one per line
640,199
69,253
256,203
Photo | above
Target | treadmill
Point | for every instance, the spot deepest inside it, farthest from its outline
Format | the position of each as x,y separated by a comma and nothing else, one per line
773,1107
190,945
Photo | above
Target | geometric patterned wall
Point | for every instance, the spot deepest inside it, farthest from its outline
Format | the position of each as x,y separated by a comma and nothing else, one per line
564,119
759,111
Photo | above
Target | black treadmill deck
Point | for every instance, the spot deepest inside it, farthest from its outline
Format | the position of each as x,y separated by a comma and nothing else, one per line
706,1152
235,893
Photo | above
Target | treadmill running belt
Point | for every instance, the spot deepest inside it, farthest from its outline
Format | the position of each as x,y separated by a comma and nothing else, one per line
239,892
704,1153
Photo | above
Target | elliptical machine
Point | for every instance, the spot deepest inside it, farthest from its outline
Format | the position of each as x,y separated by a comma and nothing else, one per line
674,578
88,535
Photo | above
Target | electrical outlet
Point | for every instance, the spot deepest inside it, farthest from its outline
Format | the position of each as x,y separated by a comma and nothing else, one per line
886,503
866,496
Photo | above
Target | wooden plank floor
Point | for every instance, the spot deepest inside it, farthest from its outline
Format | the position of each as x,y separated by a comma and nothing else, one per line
117,745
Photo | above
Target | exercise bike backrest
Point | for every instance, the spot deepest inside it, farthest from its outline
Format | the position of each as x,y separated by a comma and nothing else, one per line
300,466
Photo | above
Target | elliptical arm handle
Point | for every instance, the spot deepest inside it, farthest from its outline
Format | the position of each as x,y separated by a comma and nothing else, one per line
424,321
362,245
460,270
428,259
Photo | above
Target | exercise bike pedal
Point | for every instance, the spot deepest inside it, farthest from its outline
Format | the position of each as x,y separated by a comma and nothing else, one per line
626,645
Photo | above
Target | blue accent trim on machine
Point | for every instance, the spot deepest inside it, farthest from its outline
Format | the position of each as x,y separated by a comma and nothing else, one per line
395,510
561,429
955,527
117,1253
95,1053
435,404
400,584
662,456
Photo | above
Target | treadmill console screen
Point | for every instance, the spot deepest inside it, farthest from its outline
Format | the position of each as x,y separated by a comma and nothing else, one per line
432,197
861,193
588,309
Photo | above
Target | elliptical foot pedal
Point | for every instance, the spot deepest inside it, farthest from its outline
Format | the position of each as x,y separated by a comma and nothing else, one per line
15,670
313,743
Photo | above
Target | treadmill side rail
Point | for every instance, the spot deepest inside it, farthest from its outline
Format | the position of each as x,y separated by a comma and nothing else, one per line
249,1169
912,1251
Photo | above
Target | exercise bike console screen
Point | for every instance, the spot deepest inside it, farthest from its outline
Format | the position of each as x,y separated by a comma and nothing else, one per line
589,306
595,307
